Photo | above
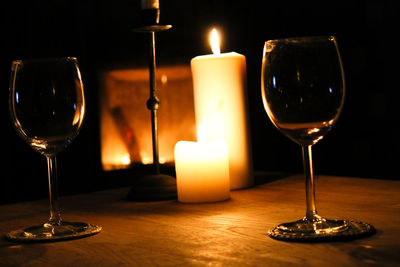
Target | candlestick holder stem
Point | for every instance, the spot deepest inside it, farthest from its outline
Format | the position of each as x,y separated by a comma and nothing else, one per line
156,186
153,103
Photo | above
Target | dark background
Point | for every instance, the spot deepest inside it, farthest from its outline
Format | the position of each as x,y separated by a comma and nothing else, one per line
99,33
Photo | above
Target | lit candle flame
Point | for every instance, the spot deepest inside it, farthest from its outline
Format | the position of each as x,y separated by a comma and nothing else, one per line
214,41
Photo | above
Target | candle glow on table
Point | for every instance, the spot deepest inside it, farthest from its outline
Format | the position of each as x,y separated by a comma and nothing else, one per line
202,170
219,84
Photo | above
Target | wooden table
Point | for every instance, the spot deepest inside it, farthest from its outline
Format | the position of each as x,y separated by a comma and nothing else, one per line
168,233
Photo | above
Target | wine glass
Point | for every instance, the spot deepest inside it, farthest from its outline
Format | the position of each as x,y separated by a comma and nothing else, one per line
303,92
47,107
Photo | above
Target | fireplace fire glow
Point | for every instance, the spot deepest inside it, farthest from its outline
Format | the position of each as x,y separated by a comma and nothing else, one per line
125,127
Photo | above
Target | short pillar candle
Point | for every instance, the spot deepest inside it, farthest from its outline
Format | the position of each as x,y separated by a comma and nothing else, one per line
202,171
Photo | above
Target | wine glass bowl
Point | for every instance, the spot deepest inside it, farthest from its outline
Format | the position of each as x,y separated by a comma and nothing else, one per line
47,108
303,86
47,104
303,92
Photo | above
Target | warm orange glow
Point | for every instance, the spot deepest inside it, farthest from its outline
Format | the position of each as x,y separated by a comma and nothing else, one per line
219,83
126,159
214,42
125,120
202,132
147,160
202,171
212,128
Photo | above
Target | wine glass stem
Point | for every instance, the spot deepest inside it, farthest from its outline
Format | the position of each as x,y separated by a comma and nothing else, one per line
311,213
55,217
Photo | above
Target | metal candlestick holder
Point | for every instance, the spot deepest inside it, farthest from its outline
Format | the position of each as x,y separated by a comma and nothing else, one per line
155,186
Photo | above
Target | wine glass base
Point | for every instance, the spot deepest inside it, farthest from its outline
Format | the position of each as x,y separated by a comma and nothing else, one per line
321,231
49,233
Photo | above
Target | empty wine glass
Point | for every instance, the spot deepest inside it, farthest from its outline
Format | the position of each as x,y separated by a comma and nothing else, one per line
303,92
47,107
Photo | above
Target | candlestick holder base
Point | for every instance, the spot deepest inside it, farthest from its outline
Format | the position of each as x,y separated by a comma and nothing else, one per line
153,187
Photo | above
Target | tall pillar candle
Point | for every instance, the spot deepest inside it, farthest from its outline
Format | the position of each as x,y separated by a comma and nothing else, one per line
219,84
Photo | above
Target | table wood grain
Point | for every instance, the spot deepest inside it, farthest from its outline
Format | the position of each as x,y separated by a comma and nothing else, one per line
229,233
